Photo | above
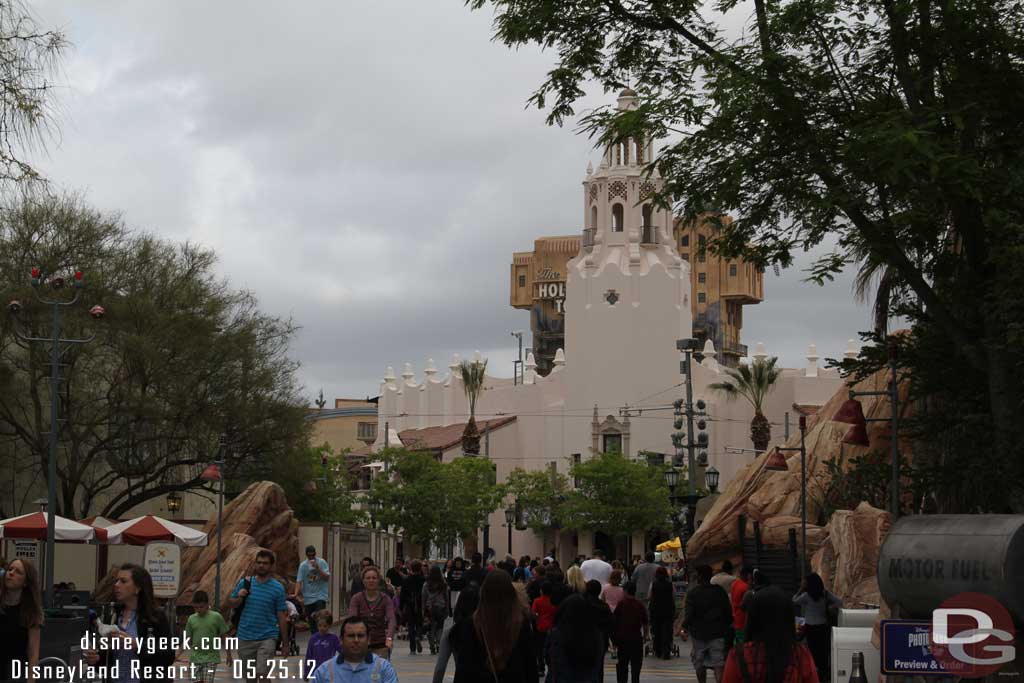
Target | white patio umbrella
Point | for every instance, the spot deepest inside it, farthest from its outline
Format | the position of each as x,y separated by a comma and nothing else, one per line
142,530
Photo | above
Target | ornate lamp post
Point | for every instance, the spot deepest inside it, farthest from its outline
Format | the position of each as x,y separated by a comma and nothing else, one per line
58,347
510,521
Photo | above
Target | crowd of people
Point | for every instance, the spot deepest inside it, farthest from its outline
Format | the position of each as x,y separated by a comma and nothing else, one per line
514,621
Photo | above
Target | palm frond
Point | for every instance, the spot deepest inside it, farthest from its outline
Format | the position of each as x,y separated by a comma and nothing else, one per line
752,382
473,375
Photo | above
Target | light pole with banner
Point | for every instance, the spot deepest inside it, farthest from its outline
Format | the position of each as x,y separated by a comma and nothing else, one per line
215,472
58,347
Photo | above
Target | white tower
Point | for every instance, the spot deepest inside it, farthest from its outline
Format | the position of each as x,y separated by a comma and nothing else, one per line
627,291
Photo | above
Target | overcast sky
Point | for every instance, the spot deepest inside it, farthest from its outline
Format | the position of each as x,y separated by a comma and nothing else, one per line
366,168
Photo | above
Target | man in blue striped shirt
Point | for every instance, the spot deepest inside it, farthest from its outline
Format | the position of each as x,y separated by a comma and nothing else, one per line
264,616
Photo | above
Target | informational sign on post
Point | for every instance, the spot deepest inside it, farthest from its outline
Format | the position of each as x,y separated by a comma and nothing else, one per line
163,562
26,550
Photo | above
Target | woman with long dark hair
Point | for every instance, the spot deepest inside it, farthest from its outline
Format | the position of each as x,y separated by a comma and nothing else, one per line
770,653
496,644
21,617
815,605
435,606
575,645
663,613
137,616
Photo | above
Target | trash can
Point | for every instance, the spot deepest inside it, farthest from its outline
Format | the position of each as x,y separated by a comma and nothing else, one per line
62,634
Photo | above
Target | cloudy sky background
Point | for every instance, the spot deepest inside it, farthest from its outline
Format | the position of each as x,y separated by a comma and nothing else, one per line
365,168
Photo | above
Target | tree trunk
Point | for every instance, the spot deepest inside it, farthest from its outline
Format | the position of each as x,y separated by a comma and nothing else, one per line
760,432
471,438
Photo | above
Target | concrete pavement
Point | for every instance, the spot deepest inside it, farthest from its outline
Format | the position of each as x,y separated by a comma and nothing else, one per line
420,668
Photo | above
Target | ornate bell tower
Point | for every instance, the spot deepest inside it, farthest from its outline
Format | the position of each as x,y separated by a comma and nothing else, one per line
628,290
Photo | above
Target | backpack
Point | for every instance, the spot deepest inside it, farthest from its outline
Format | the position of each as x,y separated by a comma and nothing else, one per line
236,613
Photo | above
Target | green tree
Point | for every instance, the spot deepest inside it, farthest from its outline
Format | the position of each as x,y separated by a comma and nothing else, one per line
885,130
473,375
541,495
317,484
433,502
753,383
617,496
179,359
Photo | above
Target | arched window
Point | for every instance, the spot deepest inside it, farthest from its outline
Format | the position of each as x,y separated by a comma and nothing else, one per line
617,217
647,230
593,217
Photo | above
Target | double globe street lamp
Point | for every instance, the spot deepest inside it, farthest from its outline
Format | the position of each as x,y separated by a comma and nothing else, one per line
711,477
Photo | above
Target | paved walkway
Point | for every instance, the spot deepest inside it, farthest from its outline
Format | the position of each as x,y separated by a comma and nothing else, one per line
420,668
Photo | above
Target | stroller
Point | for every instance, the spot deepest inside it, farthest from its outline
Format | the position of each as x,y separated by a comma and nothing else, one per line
294,614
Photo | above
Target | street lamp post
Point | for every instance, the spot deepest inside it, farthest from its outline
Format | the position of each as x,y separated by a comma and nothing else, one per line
58,346
213,472
777,463
510,520
693,439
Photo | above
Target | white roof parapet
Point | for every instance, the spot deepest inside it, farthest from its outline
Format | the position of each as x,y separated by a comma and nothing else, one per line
476,356
852,350
812,361
759,353
530,376
408,374
431,369
389,375
710,362
559,358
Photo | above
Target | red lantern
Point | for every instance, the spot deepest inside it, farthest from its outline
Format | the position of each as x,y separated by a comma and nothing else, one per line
851,412
776,462
858,435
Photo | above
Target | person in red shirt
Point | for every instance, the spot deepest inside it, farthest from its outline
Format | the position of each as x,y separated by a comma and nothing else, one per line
544,613
739,615
770,653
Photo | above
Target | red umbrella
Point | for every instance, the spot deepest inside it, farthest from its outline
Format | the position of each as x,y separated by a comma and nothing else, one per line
34,526
142,530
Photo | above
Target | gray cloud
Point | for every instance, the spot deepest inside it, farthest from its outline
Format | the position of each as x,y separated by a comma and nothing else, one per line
366,168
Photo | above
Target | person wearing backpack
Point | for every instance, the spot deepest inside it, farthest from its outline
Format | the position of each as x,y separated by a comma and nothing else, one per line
435,606
355,664
261,602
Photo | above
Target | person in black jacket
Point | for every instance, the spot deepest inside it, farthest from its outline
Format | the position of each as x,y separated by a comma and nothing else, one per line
137,616
410,600
663,612
707,616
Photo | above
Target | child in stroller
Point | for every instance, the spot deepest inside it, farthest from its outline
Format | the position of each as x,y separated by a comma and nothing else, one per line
294,614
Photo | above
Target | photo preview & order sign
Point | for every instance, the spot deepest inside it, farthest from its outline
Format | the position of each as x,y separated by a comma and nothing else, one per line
970,635
163,562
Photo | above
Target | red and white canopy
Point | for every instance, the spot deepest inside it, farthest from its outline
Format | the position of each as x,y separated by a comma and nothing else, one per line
33,526
142,530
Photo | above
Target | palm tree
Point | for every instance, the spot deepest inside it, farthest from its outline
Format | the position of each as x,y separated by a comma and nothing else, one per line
753,382
473,373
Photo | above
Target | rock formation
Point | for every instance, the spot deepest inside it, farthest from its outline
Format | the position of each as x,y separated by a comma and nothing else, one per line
848,559
258,518
773,498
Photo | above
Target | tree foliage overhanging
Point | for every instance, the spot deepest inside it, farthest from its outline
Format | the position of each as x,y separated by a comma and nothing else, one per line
889,130
179,359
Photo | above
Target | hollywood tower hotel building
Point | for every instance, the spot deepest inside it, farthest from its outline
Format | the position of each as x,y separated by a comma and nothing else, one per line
627,299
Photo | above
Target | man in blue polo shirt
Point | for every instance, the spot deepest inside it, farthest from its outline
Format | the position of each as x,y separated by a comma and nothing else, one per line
355,664
264,616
